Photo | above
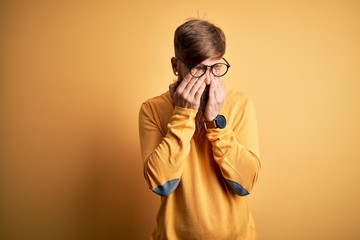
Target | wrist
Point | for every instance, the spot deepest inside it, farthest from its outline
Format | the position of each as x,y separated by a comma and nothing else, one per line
209,119
218,122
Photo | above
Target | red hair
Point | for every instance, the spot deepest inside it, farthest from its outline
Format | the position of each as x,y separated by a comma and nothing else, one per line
196,40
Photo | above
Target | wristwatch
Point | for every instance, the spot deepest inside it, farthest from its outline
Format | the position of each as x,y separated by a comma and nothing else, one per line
218,122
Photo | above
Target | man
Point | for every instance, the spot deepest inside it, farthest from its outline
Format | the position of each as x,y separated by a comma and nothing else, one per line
199,143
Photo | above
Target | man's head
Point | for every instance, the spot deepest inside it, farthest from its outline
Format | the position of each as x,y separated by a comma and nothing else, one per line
197,40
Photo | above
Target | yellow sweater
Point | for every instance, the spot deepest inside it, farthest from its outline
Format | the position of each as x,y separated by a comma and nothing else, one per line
203,185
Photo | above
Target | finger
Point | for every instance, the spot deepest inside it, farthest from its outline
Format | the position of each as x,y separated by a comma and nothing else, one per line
199,92
187,85
194,89
222,88
192,84
220,84
219,92
212,90
172,88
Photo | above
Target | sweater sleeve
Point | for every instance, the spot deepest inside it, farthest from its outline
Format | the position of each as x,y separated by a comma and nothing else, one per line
236,150
164,156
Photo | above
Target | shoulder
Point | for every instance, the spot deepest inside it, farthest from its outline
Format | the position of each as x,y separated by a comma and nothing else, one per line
158,110
158,102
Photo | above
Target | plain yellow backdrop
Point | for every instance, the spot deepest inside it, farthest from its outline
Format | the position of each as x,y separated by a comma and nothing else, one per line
73,75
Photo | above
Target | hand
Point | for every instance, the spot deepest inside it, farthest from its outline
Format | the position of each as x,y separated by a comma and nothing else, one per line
187,93
217,96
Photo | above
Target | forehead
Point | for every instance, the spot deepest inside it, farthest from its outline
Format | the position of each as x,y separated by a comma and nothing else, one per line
211,61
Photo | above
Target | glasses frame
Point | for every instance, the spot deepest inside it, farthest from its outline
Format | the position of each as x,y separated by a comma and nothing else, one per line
207,66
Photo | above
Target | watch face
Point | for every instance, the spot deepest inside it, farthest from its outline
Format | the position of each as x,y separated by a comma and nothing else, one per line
220,121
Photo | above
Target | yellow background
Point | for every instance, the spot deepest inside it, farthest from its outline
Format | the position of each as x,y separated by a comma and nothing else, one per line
74,73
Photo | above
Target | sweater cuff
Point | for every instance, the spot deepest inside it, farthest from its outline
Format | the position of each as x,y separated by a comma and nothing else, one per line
214,134
186,112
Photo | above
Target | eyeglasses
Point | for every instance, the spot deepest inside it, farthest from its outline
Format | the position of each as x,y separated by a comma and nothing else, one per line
218,69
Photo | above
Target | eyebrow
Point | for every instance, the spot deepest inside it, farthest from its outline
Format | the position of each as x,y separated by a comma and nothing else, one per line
226,62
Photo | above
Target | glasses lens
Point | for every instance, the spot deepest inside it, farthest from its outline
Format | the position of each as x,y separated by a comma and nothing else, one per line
198,70
219,69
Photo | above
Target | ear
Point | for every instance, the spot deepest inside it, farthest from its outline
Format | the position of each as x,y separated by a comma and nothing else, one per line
174,65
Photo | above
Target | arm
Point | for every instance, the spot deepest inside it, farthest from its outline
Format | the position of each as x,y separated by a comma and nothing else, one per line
164,156
236,150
